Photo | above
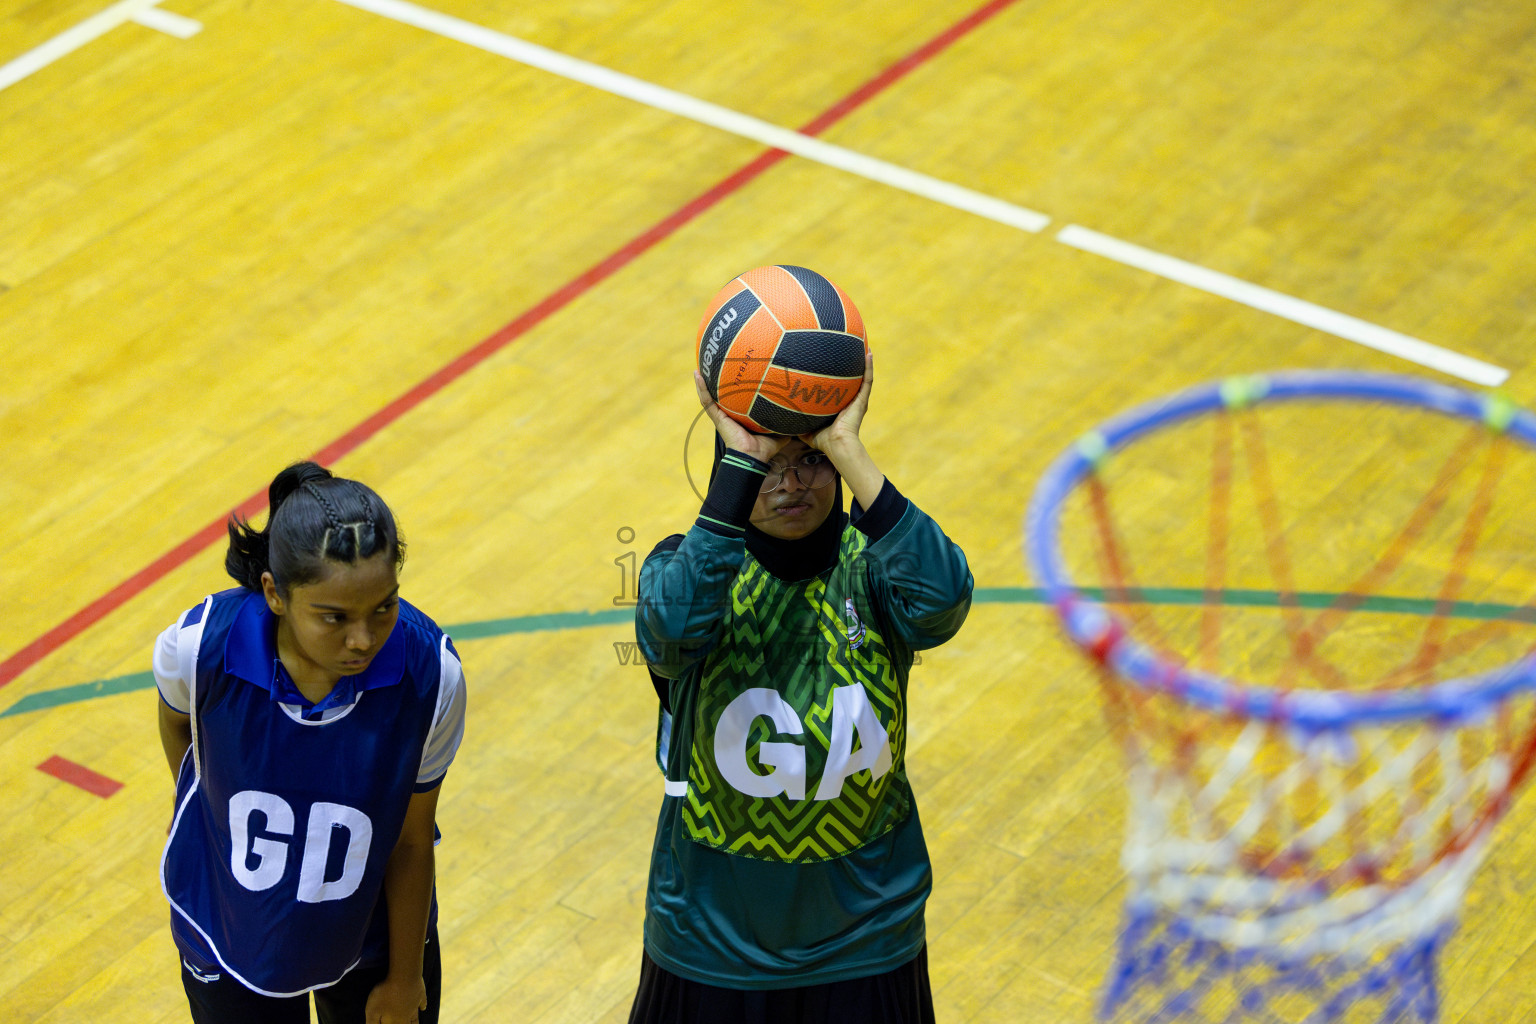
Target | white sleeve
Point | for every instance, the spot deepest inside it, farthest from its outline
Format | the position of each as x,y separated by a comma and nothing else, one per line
447,723
174,690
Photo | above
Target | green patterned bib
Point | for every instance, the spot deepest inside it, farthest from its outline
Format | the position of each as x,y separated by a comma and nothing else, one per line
799,731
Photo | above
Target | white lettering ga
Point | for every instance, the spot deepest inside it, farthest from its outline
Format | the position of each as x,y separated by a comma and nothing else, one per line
714,339
851,713
271,855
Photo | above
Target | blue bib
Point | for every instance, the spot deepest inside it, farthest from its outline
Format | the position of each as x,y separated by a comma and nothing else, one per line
286,816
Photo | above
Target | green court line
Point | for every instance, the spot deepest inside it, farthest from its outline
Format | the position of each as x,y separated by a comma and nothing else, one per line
85,691
1271,599
467,631
539,623
982,595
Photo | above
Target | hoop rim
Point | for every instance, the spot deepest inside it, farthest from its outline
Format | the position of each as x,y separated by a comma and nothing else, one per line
1104,636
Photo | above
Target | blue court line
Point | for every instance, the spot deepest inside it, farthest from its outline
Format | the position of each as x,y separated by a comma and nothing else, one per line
982,595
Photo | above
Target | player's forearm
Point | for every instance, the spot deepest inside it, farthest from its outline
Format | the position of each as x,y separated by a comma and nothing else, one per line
857,469
408,891
175,737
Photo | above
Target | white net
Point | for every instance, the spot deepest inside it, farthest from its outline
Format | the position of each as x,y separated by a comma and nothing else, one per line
1326,865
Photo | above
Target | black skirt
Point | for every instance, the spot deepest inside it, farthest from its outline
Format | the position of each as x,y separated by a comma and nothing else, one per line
900,996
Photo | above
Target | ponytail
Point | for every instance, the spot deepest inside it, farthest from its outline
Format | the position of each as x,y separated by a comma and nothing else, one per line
313,517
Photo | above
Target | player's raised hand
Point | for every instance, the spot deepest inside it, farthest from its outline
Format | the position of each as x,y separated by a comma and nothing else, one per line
840,440
762,447
843,432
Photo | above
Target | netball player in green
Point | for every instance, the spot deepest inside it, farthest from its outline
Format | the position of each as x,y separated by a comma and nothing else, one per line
789,872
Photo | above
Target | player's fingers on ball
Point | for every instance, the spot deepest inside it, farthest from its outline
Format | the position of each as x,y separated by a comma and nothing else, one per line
716,415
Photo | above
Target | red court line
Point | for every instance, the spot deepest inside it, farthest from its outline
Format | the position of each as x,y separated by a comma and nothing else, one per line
113,599
79,775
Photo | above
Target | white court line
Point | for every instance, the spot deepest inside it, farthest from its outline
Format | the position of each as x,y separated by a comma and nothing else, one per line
1286,306
947,193
170,24
694,109
1306,313
70,40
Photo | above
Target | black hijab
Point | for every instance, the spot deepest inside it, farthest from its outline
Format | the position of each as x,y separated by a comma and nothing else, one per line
800,559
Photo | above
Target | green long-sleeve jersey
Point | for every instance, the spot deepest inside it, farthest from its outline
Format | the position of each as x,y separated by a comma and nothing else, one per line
788,849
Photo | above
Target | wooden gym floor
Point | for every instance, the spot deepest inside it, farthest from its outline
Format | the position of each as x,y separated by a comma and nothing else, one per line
235,234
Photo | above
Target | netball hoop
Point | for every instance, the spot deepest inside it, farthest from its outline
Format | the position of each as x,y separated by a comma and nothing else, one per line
1324,722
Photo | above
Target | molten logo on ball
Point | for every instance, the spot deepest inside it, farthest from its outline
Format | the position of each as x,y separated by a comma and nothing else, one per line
714,340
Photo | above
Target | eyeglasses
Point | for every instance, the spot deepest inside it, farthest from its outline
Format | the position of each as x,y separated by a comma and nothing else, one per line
813,470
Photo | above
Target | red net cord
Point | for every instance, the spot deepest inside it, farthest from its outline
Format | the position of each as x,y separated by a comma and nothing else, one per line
1331,618
1429,652
1218,517
1129,709
1115,563
1303,651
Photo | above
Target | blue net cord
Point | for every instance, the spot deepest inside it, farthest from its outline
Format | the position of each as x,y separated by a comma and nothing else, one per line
1164,972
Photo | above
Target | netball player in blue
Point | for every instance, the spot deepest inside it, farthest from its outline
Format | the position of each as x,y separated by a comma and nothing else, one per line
309,716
